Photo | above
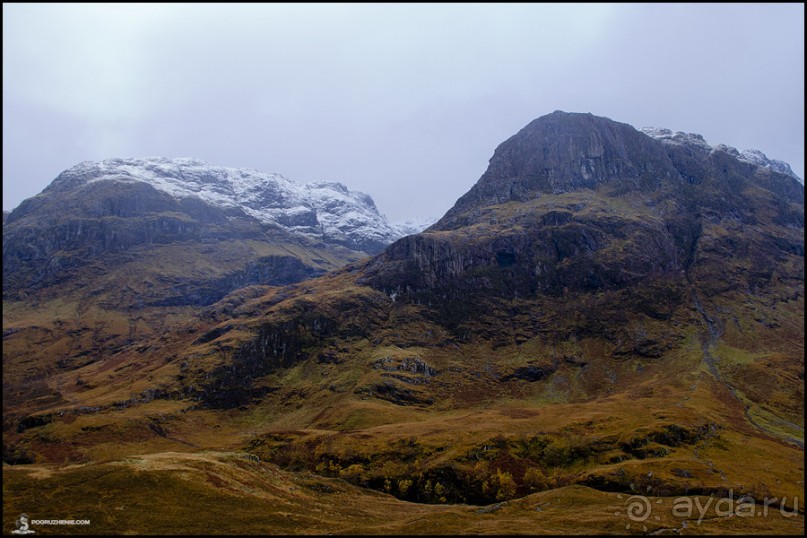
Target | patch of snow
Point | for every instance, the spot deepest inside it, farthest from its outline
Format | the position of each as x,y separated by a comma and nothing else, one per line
413,226
752,156
669,137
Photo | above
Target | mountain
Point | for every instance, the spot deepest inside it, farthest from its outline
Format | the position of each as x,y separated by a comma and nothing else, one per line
604,314
271,230
322,210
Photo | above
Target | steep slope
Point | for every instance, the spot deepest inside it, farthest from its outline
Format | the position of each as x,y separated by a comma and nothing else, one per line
601,310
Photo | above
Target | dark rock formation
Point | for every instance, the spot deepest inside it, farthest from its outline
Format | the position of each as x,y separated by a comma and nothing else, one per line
564,152
575,202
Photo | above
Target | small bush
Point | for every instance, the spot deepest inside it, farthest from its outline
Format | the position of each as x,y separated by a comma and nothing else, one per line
353,473
536,480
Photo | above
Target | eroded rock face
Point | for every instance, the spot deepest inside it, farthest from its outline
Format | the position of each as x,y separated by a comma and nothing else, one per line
564,152
578,202
581,254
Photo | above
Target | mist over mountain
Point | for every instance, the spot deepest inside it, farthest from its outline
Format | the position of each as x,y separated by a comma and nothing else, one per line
607,312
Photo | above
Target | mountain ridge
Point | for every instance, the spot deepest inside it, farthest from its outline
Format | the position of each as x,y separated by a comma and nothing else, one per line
322,210
753,156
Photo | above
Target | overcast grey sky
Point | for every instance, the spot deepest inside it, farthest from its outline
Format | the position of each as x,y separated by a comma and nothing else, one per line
403,101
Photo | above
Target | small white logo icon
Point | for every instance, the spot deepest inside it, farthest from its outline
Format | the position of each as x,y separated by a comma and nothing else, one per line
22,525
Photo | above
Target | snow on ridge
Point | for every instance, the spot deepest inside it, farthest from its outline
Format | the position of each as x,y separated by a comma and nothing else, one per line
325,210
753,156
413,226
678,137
756,157
760,159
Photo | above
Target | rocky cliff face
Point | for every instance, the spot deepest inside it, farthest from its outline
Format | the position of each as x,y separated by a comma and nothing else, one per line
112,211
577,202
562,153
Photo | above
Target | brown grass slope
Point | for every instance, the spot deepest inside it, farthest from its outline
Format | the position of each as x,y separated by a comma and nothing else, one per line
229,493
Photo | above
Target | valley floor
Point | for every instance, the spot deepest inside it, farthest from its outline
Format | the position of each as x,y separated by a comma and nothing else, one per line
231,493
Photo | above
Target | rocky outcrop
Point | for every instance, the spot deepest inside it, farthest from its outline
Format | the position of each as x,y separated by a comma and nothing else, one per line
530,373
564,152
399,395
578,254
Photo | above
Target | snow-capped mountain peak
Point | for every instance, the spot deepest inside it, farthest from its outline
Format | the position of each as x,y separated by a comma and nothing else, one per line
323,210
